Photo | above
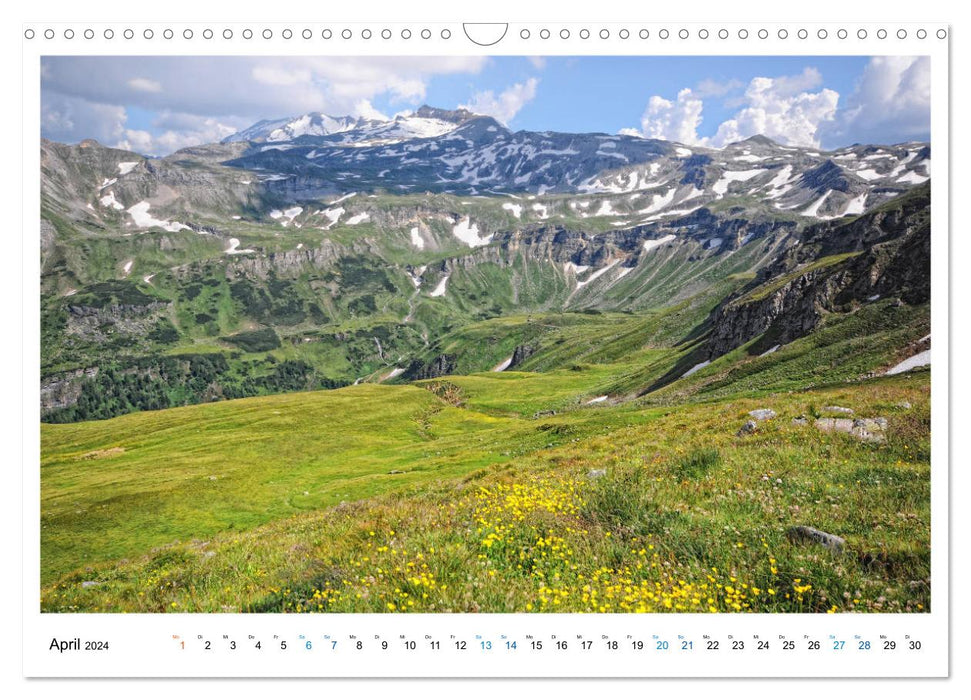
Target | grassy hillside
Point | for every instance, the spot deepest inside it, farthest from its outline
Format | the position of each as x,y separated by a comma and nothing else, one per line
494,511
119,487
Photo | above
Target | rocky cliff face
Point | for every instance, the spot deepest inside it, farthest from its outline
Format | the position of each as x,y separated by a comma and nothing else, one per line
95,324
520,355
62,390
883,254
438,367
287,262
791,311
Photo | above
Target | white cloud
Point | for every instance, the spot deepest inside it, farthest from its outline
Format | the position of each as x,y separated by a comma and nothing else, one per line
773,108
72,119
506,104
278,75
673,121
537,62
787,85
714,88
891,103
221,88
173,131
136,140
145,85
365,109
781,108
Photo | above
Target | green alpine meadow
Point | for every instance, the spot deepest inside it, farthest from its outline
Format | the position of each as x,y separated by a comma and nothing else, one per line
432,364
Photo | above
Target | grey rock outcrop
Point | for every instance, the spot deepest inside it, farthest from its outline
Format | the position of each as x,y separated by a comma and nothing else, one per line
865,429
803,533
438,367
747,428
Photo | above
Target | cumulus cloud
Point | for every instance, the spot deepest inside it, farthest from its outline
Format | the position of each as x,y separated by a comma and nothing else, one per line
775,109
783,108
673,121
891,103
786,85
506,104
365,109
137,140
172,131
221,89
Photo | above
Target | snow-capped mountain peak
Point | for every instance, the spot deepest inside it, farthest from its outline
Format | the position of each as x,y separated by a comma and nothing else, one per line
459,152
426,122
289,128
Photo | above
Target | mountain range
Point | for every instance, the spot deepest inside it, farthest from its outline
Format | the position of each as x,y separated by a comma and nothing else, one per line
318,251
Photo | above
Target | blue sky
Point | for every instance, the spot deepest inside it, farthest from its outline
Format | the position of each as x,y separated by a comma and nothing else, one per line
156,104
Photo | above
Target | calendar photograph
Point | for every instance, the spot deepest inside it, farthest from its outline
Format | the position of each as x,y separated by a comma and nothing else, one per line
484,334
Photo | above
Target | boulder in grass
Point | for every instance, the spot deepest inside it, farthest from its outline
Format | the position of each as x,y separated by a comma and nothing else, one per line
596,473
750,427
762,414
870,429
865,429
843,425
838,409
804,533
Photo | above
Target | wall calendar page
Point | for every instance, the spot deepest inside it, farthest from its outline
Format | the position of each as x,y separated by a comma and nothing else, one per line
520,349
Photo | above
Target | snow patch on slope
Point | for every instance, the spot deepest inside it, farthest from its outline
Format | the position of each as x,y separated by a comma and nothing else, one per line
659,201
857,205
341,199
468,233
814,207
504,365
516,209
333,216
416,239
596,274
109,201
234,248
921,359
694,369
141,217
439,290
287,215
720,188
651,245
